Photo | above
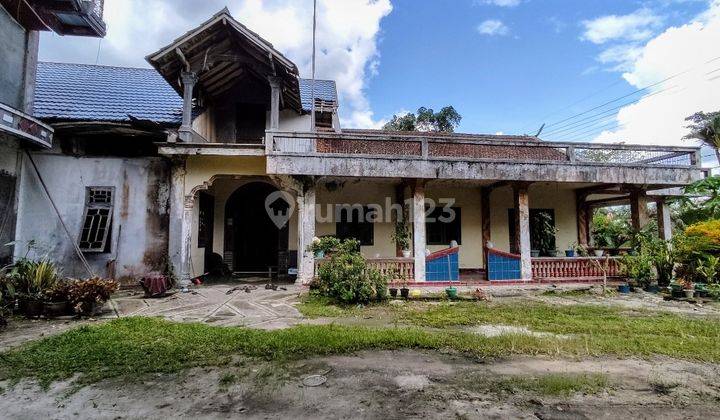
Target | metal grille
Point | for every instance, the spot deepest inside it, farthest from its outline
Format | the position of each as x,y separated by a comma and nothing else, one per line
637,157
97,220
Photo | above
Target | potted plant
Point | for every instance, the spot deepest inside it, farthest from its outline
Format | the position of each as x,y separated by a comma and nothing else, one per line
451,292
88,296
688,288
546,234
32,279
321,247
404,291
570,252
393,291
57,301
599,252
401,236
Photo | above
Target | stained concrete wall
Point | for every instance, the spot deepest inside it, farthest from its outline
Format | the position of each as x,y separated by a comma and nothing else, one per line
8,186
13,40
140,217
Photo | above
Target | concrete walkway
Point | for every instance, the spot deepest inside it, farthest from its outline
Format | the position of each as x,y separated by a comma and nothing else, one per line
218,304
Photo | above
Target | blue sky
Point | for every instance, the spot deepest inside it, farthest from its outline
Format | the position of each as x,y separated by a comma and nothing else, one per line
506,65
432,54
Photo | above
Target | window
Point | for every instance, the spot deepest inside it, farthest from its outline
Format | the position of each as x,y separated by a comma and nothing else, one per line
441,228
537,218
97,221
355,222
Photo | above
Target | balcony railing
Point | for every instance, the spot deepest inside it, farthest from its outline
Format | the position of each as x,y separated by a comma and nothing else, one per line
477,148
396,269
576,268
22,126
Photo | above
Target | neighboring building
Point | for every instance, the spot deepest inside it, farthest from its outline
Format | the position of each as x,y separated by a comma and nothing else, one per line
181,167
20,23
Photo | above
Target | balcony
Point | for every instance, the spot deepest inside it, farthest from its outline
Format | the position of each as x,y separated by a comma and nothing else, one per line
431,156
24,127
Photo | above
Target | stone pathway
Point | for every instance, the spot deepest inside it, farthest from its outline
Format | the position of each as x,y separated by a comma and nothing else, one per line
219,304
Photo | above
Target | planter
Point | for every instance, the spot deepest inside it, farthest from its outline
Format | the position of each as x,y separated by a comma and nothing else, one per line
406,253
319,254
599,252
570,253
451,293
624,288
89,308
393,292
534,253
32,308
552,254
405,292
653,288
53,309
689,294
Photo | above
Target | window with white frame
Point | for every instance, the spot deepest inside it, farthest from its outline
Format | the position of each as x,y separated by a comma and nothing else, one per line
97,220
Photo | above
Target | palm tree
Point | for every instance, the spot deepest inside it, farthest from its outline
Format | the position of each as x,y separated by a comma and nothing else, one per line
706,128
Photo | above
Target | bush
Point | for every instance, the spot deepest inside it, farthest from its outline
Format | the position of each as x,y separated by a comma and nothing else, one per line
695,252
84,294
32,279
708,231
346,277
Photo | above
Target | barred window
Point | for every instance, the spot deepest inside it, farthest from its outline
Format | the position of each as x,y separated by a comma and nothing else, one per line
97,220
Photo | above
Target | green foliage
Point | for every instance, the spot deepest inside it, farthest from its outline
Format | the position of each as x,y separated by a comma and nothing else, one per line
696,250
446,120
347,278
705,127
545,231
563,385
326,244
701,202
32,279
401,235
611,228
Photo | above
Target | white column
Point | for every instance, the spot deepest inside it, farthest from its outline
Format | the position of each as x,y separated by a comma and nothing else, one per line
522,229
189,80
306,232
275,88
664,220
419,242
186,272
177,215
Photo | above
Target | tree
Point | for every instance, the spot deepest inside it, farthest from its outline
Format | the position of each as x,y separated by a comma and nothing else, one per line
706,128
446,120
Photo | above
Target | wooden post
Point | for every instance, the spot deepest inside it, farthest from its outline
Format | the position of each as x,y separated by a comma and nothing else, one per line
638,209
522,229
583,219
663,219
275,87
188,80
485,193
419,242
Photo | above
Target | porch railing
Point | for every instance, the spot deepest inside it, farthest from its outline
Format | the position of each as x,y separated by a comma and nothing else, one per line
396,269
578,267
477,147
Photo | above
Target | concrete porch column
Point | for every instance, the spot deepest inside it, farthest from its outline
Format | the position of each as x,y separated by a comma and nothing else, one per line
275,88
419,235
189,79
178,245
306,233
638,210
522,229
663,219
485,193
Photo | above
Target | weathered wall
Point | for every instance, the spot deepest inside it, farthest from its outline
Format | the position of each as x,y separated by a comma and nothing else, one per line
140,216
13,40
8,185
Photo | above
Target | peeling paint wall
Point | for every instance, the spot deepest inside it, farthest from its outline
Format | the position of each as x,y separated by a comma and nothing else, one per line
140,215
8,186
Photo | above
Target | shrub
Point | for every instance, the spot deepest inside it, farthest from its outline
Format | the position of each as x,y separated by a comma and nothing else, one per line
346,277
31,279
84,294
709,231
325,244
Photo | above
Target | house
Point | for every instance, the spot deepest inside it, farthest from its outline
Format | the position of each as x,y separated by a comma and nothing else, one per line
20,23
179,168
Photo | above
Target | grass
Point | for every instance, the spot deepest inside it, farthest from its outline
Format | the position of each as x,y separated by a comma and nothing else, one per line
227,379
558,385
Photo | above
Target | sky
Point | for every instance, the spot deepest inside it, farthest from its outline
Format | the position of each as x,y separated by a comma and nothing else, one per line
611,71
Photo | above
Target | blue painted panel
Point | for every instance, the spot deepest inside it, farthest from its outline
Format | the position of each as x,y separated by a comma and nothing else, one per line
501,267
445,268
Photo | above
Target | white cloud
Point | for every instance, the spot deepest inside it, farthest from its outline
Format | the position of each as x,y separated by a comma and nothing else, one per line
501,3
690,50
348,34
636,26
493,27
621,56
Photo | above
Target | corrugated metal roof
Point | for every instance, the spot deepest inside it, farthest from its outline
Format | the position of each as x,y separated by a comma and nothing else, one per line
83,92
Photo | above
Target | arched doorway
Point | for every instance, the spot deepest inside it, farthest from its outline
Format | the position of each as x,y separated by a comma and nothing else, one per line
256,244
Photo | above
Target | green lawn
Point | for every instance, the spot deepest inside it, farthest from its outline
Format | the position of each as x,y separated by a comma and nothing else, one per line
135,346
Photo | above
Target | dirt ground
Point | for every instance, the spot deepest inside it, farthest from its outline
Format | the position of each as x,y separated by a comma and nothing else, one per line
385,384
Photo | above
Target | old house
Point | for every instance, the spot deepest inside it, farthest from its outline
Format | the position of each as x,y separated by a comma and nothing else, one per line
182,167
20,24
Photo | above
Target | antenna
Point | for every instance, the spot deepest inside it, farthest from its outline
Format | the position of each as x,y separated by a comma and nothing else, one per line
312,83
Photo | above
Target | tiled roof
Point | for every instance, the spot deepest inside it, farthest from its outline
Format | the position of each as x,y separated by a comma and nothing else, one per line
82,92
324,90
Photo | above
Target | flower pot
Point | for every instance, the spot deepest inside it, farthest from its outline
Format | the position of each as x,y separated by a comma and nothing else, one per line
32,308
406,253
53,309
599,252
405,292
451,293
393,292
319,254
552,254
534,253
570,253
89,308
689,294
624,288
